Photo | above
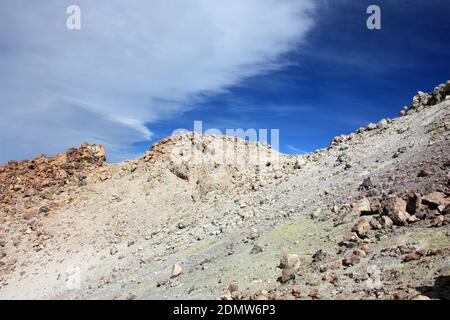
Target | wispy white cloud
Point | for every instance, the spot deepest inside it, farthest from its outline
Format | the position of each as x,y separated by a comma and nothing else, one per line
296,149
132,63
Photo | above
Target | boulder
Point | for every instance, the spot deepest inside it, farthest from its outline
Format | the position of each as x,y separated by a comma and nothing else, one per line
436,199
362,206
395,208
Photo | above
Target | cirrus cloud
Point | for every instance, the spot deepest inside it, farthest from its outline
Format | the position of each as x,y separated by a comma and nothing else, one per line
132,63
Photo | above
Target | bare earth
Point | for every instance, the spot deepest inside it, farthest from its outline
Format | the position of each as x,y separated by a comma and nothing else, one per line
117,232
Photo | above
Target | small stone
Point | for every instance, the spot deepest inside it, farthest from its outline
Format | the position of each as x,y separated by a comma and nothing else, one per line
383,124
290,261
359,253
314,294
256,249
233,287
30,213
350,237
412,257
279,174
105,176
261,297
296,292
375,206
421,297
113,250
375,224
288,274
320,255
366,248
362,228
176,271
367,183
316,213
351,259
254,234
399,296
438,221
131,296
420,214
44,210
425,172
329,277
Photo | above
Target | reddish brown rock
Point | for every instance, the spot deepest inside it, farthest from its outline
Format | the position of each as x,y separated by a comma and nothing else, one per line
329,277
395,208
30,213
438,221
375,224
233,287
413,256
435,199
362,206
362,228
350,237
44,176
399,296
351,259
375,206
296,292
414,201
314,294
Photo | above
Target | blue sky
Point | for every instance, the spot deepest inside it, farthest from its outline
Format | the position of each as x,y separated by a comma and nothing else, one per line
138,70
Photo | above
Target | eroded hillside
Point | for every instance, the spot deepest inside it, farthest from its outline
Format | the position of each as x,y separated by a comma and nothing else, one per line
211,216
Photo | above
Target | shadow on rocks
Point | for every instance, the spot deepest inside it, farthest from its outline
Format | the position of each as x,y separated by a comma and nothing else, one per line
440,289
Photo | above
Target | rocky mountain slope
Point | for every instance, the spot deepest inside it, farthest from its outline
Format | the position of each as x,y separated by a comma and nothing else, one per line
366,218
